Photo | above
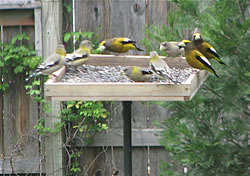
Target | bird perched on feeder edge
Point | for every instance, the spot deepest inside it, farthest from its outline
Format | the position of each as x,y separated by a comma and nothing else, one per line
118,45
138,74
53,63
159,66
171,48
79,56
205,48
195,58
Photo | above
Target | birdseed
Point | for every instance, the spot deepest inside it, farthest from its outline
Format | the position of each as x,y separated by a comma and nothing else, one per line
90,73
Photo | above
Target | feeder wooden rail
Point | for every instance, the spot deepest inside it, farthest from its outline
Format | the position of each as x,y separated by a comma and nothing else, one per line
126,91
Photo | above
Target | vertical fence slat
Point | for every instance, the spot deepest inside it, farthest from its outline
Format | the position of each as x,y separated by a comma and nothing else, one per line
52,32
19,111
38,31
92,14
157,11
128,20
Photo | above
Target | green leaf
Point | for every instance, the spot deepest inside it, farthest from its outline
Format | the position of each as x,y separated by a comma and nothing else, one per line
90,34
4,86
18,69
67,37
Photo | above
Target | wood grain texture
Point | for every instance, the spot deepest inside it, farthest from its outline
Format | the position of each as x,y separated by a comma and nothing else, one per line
52,25
19,4
38,31
144,114
98,161
158,11
52,32
93,14
131,60
116,91
20,138
21,166
136,91
19,109
128,20
17,17
114,137
53,145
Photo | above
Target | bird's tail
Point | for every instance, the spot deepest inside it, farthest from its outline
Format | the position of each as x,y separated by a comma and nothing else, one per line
213,71
216,74
139,49
220,61
35,73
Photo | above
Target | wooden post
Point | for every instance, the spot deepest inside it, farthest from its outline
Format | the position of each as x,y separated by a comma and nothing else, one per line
53,146
127,140
52,36
1,103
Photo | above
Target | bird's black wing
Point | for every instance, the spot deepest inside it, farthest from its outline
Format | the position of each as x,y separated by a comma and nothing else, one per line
213,52
146,72
128,42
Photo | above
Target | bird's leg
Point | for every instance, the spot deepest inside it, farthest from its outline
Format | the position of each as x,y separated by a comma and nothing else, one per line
194,70
79,70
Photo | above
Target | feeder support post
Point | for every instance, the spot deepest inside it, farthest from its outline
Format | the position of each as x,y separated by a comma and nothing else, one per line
127,140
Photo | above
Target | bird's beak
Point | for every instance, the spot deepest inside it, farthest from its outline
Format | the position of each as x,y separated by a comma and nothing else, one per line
181,45
162,47
197,37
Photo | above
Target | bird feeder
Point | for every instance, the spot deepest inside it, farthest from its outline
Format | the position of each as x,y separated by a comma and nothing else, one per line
126,91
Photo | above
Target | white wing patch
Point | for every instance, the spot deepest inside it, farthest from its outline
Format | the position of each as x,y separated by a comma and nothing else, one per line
73,56
212,49
127,39
205,60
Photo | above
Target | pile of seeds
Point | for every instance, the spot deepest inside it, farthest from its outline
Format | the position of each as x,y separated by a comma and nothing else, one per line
90,73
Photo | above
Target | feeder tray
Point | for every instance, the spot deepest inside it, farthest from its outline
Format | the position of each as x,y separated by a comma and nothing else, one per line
125,91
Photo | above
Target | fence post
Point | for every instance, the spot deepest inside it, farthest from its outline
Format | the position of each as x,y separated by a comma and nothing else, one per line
52,36
53,143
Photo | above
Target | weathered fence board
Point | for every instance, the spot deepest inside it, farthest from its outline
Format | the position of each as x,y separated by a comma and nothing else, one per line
93,14
25,165
52,32
19,4
104,160
128,20
114,137
20,112
16,17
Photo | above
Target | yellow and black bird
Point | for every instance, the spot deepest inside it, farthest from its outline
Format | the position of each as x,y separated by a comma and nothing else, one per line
171,48
138,74
79,56
118,45
195,58
205,48
53,63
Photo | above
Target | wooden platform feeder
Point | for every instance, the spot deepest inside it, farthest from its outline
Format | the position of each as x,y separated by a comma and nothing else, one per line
125,91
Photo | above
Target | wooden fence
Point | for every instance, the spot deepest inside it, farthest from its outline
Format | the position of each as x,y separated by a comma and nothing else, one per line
19,142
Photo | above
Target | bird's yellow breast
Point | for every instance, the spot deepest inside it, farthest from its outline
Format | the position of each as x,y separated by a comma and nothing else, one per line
193,61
